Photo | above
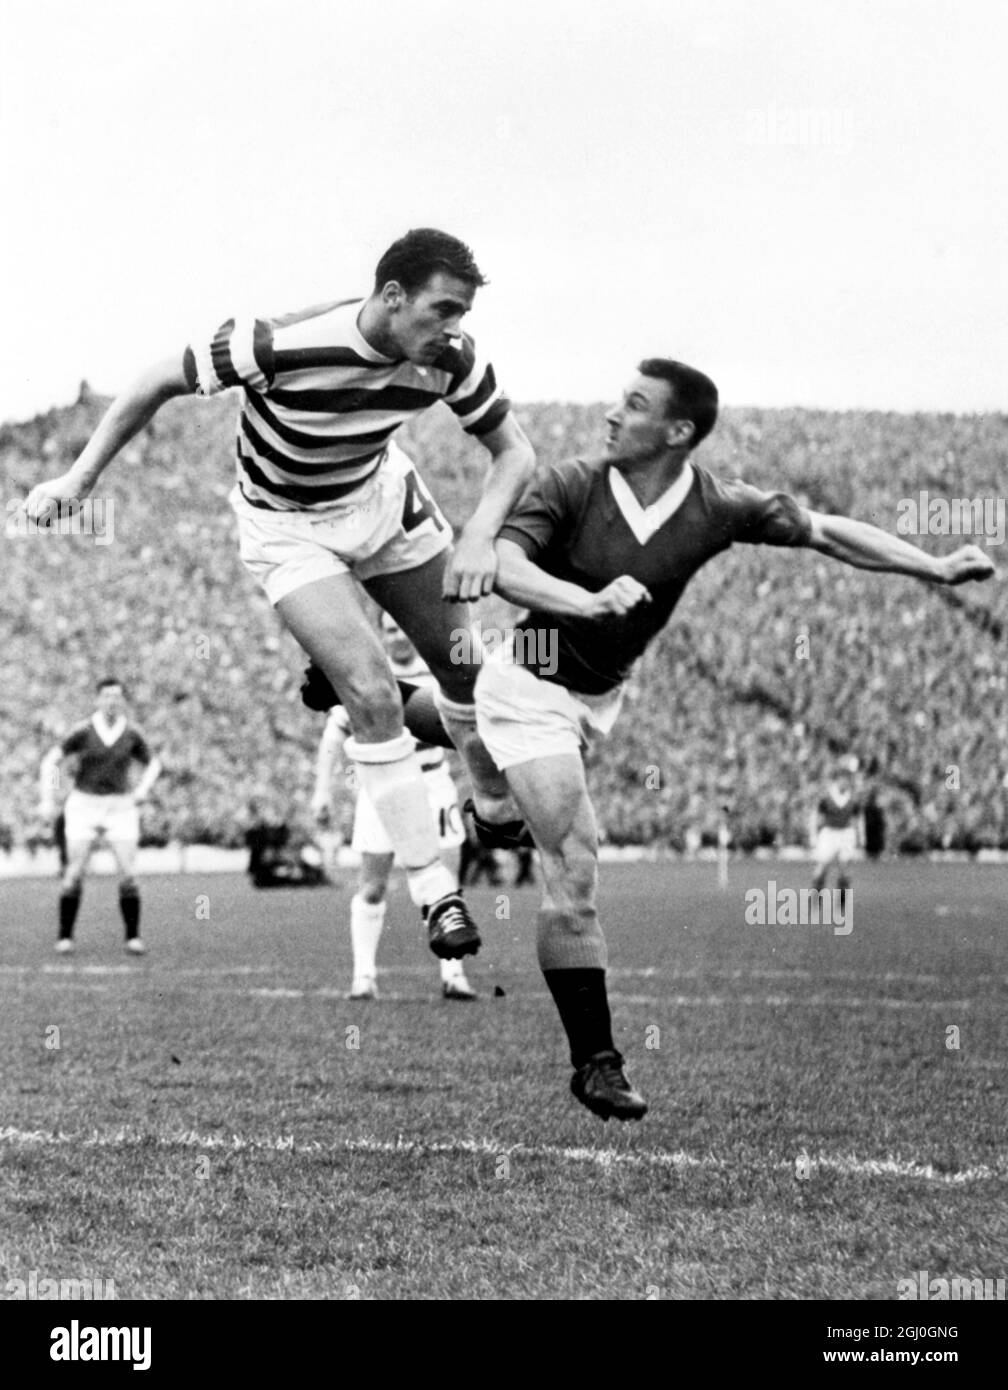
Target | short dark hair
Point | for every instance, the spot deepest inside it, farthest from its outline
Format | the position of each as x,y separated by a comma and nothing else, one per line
694,396
106,681
421,253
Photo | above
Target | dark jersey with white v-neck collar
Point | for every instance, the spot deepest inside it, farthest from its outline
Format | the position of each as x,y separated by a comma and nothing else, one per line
571,525
103,768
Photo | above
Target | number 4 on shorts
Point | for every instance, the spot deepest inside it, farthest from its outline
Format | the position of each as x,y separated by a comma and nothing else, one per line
419,504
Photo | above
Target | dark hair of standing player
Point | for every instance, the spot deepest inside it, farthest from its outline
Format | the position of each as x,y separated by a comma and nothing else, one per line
694,396
421,253
106,681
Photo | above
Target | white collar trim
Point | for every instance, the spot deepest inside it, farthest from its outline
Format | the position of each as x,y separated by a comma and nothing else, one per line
359,343
645,521
108,733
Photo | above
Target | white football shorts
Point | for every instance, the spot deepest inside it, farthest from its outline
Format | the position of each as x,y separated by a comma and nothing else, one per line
835,843
88,816
369,834
391,523
520,716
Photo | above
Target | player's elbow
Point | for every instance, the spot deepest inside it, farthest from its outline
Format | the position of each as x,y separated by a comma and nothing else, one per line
820,536
512,447
525,464
160,382
511,560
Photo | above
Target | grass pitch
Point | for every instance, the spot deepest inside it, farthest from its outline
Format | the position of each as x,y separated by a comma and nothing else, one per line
215,1120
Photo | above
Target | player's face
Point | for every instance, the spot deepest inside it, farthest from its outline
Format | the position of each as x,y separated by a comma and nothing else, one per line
111,701
639,427
423,324
397,644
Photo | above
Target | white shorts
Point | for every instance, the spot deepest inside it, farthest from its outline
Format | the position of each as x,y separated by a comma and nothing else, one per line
369,834
88,816
520,716
391,523
834,843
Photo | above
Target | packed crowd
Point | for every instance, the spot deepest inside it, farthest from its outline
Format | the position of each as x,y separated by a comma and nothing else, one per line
775,665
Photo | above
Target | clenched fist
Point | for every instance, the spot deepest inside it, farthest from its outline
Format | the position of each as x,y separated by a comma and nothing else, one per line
45,498
966,563
616,599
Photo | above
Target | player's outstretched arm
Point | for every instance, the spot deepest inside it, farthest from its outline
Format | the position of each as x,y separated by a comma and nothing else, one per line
520,580
470,572
867,547
125,417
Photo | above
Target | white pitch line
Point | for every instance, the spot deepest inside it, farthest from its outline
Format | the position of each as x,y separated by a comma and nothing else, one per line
847,1165
616,973
74,976
680,1001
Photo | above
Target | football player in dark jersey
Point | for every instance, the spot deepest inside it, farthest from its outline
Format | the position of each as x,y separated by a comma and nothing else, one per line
100,806
838,814
599,553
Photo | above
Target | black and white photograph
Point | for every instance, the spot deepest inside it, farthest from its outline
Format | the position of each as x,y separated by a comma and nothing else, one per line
504,717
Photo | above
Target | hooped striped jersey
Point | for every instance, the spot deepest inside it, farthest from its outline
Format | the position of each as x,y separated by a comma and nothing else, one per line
320,404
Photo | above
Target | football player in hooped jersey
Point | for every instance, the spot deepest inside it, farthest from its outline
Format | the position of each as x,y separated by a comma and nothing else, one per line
101,805
324,497
599,553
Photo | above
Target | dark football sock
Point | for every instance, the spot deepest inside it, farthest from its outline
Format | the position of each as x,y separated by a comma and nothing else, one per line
68,904
129,906
583,1004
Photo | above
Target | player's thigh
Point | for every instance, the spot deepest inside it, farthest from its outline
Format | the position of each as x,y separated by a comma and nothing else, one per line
78,854
552,795
327,617
124,852
437,629
375,870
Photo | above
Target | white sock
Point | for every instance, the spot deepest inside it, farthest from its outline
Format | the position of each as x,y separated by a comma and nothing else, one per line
366,923
427,885
494,802
451,970
390,774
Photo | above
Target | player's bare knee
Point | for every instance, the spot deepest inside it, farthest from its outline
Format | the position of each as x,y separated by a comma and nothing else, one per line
372,893
570,882
582,878
374,706
128,886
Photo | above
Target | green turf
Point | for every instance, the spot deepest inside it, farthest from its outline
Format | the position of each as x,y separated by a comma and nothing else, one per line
221,1135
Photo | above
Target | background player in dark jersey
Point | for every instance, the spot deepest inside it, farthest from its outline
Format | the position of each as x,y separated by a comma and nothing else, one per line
599,552
837,814
101,806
